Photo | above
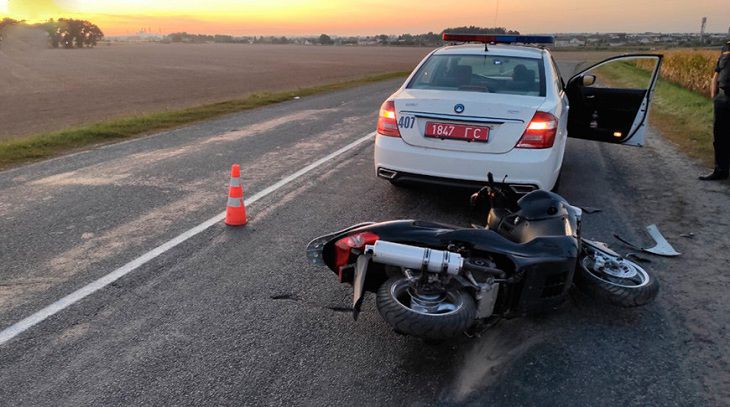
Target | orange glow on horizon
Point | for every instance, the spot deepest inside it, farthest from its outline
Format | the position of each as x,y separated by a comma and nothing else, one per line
369,17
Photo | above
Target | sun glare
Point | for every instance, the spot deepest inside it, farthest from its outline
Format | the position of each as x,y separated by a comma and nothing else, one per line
33,9
347,17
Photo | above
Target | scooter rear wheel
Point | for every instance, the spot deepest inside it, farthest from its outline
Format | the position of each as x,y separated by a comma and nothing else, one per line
430,317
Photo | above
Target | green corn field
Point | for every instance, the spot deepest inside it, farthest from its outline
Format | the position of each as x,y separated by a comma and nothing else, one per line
689,68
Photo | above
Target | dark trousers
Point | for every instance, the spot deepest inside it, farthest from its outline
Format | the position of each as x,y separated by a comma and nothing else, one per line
721,130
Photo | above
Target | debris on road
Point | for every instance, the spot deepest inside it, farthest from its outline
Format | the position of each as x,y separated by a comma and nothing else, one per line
635,256
661,248
590,210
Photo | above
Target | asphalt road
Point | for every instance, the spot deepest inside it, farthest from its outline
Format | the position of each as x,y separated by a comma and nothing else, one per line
236,316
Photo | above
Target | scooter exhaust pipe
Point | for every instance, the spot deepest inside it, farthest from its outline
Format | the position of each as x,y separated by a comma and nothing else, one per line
414,257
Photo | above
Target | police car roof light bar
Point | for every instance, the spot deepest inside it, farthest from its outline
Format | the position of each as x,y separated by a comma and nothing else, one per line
499,39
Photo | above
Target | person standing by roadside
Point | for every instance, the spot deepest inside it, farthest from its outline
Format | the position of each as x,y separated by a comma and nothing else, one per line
720,92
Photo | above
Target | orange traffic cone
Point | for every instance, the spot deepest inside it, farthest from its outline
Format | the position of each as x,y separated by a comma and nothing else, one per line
235,210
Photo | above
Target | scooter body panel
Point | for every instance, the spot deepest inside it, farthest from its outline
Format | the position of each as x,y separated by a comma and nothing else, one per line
543,267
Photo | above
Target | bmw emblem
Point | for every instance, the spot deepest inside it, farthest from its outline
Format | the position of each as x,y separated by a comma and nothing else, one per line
459,108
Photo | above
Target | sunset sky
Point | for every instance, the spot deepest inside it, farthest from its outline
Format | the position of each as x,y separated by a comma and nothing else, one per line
366,17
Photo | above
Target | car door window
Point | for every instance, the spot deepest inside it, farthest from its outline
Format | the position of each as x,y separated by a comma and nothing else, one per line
610,100
624,74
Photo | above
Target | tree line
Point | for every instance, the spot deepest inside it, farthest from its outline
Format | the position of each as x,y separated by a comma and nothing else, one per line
427,39
71,33
5,23
64,32
323,39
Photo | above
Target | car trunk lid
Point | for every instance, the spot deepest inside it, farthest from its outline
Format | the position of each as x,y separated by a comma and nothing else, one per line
507,117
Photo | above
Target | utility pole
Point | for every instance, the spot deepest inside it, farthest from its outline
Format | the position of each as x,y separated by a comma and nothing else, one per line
702,30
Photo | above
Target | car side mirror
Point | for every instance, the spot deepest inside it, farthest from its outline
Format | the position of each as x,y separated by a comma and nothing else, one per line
588,80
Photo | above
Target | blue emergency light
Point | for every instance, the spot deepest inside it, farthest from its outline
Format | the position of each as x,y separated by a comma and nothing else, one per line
499,39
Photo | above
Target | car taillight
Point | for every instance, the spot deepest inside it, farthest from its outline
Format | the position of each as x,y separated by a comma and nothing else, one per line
541,131
387,125
344,246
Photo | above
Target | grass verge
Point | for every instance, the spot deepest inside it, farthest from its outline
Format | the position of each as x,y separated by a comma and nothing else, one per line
46,145
681,115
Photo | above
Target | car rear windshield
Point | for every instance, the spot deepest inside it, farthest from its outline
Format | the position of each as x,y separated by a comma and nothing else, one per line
482,73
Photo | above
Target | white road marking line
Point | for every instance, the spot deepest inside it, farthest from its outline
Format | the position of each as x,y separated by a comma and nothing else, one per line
76,296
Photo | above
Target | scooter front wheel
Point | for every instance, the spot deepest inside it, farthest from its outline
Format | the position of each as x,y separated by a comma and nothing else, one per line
430,316
616,280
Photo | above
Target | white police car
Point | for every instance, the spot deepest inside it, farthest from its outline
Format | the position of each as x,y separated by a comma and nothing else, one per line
499,107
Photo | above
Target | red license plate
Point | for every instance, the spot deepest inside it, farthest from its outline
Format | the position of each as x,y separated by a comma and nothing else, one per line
457,132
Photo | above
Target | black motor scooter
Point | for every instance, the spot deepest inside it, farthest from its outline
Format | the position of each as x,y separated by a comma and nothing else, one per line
435,281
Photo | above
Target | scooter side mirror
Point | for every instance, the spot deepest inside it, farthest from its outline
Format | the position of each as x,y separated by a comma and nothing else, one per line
474,199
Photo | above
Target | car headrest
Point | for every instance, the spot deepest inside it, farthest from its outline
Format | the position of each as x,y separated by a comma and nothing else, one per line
522,74
462,74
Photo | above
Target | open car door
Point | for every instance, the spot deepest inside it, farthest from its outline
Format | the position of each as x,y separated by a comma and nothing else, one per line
609,101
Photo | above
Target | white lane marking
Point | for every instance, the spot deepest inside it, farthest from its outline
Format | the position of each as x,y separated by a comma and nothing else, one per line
76,296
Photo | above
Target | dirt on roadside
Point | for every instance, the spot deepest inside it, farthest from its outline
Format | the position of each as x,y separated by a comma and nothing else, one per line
694,216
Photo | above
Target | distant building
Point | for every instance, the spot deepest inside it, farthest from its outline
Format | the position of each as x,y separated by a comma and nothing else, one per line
570,42
147,35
